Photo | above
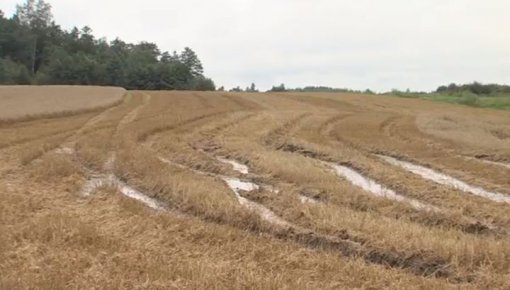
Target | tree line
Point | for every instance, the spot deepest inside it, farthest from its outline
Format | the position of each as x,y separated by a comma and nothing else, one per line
35,50
317,89
475,88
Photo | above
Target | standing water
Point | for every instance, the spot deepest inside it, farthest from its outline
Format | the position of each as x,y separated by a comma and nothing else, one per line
237,185
444,179
377,189
235,165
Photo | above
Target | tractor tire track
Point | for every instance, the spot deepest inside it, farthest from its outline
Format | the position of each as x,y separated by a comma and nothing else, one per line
161,129
345,245
203,101
470,225
242,102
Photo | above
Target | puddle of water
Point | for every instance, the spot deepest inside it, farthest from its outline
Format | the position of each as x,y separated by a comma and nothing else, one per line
235,165
447,180
377,189
94,183
269,188
135,194
272,189
169,162
306,199
237,185
65,150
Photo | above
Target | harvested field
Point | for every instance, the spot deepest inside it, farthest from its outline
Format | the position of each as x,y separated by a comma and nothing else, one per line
25,102
238,190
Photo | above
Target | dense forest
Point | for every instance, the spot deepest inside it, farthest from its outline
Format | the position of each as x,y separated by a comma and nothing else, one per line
35,50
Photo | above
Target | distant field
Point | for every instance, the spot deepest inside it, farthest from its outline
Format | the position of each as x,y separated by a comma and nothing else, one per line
215,190
22,101
500,102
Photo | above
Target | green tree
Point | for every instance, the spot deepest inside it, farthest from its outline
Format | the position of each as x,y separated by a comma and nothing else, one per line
12,73
72,69
252,88
203,84
166,57
37,17
190,59
280,88
16,42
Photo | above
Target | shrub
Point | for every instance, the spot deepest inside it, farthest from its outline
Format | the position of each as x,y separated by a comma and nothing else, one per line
468,98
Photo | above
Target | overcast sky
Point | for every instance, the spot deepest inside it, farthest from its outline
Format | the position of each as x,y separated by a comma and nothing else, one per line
359,44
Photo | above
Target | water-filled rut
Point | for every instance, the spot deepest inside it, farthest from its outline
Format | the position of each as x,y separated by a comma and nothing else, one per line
111,181
375,188
447,180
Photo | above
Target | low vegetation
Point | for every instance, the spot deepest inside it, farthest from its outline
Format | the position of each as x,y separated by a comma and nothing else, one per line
475,95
